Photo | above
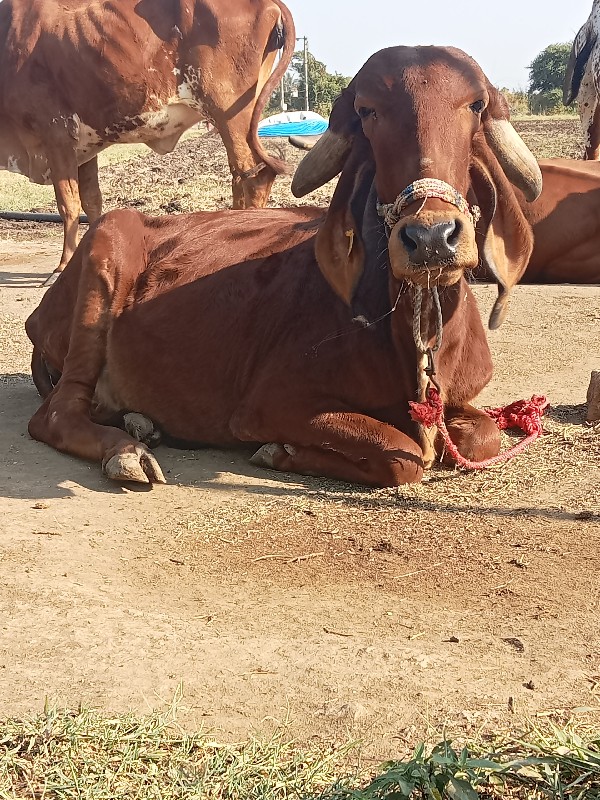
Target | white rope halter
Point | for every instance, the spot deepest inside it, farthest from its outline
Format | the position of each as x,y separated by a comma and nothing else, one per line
423,189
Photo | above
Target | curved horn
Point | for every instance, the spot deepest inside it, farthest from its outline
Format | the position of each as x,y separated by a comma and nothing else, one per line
517,161
322,163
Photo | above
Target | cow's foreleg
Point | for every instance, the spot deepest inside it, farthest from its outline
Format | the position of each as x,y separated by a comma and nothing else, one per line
112,258
475,434
63,165
344,446
89,189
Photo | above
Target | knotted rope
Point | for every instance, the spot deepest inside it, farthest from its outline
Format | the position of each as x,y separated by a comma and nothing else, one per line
249,173
523,414
423,189
422,345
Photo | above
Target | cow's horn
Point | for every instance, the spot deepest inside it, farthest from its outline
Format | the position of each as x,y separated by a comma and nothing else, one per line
321,164
517,161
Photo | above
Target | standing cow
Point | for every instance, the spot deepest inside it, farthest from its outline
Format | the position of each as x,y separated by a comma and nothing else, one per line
582,81
77,76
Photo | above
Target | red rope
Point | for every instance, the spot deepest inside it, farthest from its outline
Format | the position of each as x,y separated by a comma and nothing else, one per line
523,414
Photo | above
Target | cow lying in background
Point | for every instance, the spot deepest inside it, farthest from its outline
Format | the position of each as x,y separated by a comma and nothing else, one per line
294,329
76,77
565,221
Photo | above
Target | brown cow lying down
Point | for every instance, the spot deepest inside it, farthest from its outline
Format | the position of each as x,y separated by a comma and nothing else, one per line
234,327
566,224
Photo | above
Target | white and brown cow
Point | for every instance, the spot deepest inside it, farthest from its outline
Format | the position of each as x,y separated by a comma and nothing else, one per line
77,76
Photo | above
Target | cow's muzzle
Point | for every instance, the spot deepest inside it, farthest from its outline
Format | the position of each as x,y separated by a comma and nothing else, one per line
428,243
431,247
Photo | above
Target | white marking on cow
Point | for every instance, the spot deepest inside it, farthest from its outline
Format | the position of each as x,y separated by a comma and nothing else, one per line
589,91
162,127
12,165
89,143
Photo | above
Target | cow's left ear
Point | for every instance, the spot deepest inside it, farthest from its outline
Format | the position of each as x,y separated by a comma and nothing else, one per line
504,237
339,247
516,159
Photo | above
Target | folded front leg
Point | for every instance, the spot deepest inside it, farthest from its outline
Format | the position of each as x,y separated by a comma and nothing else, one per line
345,446
475,434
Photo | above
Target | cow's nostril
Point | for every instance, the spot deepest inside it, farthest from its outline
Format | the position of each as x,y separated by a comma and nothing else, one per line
409,236
452,234
428,244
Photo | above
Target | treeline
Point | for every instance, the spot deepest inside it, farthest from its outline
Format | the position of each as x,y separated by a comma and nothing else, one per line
544,94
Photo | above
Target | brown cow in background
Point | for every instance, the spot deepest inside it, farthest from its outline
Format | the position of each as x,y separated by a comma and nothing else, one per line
77,76
293,329
565,220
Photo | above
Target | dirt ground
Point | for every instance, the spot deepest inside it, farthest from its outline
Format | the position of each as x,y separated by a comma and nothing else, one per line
469,600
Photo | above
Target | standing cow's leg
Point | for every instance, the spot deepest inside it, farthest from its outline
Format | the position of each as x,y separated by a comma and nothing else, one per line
63,166
89,189
345,446
252,177
589,112
112,259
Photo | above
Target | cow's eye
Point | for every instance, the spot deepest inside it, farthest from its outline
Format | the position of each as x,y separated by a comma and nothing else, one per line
478,106
364,112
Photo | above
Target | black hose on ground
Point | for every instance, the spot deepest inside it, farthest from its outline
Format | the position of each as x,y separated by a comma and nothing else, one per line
26,216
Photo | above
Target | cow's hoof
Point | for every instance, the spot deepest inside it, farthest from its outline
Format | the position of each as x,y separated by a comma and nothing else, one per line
51,279
265,456
142,429
134,465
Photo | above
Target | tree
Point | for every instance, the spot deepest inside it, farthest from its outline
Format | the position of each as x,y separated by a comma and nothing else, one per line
546,76
518,101
323,86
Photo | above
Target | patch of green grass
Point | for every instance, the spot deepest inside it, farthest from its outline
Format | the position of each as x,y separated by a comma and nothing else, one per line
62,755
546,762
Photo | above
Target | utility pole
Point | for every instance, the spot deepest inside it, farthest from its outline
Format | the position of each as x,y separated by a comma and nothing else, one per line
305,40
305,74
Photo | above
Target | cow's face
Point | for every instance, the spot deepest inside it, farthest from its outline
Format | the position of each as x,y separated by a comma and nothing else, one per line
410,121
420,111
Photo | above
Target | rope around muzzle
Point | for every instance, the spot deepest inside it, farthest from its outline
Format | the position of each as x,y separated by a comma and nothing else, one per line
423,189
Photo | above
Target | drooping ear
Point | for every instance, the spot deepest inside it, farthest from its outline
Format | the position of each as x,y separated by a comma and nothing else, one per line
581,50
504,237
515,158
327,158
339,247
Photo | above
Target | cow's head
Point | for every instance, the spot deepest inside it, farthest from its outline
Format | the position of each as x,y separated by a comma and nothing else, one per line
426,128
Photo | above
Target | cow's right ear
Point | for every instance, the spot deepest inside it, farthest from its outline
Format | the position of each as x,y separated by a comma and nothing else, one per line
504,237
327,158
339,246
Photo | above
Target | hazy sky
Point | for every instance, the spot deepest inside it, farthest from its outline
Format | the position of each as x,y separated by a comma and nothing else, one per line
504,36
